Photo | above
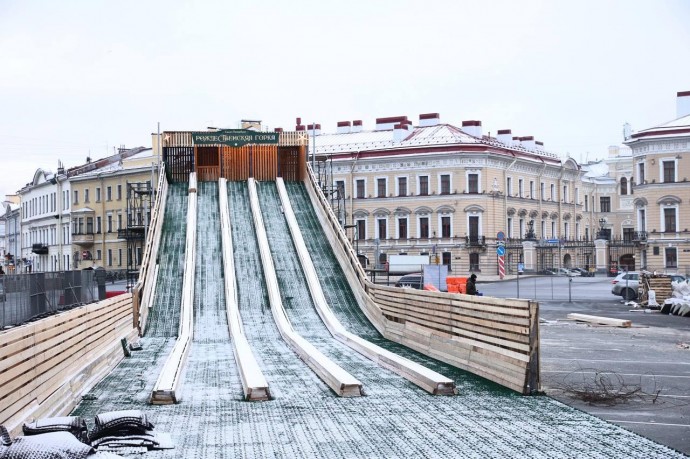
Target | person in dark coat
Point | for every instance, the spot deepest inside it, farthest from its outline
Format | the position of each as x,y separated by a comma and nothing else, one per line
471,285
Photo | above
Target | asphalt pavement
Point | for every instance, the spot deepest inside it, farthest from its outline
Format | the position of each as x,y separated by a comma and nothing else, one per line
638,377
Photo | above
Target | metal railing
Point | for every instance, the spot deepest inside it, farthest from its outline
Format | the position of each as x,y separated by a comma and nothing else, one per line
25,297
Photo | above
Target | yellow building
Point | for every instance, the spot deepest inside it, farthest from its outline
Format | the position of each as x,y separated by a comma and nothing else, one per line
111,206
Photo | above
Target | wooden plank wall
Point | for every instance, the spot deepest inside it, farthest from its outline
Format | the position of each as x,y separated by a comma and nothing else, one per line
492,337
235,163
264,162
207,163
47,365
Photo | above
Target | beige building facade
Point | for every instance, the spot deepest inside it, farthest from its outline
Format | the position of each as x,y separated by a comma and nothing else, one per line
661,175
452,192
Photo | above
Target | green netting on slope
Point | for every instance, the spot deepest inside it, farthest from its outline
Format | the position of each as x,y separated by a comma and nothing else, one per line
164,317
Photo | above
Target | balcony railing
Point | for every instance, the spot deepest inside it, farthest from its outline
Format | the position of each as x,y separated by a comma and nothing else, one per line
475,241
39,249
83,239
639,236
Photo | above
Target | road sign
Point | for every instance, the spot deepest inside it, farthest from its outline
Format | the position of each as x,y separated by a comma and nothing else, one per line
500,250
553,241
500,235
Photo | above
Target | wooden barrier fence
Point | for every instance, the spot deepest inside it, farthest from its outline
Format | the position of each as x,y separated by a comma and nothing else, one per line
47,365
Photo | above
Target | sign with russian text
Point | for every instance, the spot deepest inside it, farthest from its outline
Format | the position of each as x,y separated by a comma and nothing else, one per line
234,137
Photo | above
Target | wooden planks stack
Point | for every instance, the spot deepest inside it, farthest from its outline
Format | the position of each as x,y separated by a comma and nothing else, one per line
494,338
49,364
661,284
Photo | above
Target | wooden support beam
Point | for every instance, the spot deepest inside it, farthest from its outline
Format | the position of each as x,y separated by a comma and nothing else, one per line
601,320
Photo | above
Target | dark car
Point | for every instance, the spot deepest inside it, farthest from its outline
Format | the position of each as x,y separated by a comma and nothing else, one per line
414,280
583,272
547,272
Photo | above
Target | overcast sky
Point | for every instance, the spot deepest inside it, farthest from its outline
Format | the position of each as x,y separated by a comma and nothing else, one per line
80,77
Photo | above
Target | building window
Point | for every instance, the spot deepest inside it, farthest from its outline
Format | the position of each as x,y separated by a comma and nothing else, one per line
628,234
119,222
543,191
553,229
671,256
670,220
361,230
605,204
640,173
577,196
119,192
642,220
669,171
474,262
521,191
110,257
340,186
423,185
119,257
75,199
445,227
509,186
110,223
586,204
89,225
543,229
86,195
381,188
553,191
402,186
521,227
382,228
531,189
402,228
109,193
473,183
510,227
473,230
624,186
98,194
566,230
360,188
98,254
424,227
445,184
565,193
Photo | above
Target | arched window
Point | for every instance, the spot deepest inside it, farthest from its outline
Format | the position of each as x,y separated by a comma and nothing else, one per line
624,185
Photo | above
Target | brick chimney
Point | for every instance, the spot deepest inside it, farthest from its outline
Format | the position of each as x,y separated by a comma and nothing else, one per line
528,142
357,126
429,119
344,127
472,127
314,129
539,146
683,104
401,131
383,124
505,136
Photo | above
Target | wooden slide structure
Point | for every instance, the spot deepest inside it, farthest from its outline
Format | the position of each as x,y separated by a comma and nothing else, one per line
495,338
166,388
425,378
254,383
339,380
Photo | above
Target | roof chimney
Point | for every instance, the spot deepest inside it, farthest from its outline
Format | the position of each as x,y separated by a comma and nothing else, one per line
539,146
278,129
298,125
344,127
505,137
517,142
683,104
473,128
528,142
383,124
357,126
314,129
401,131
429,119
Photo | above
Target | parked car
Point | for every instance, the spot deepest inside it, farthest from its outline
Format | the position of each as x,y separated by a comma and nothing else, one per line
626,285
583,272
567,272
547,272
677,278
414,280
